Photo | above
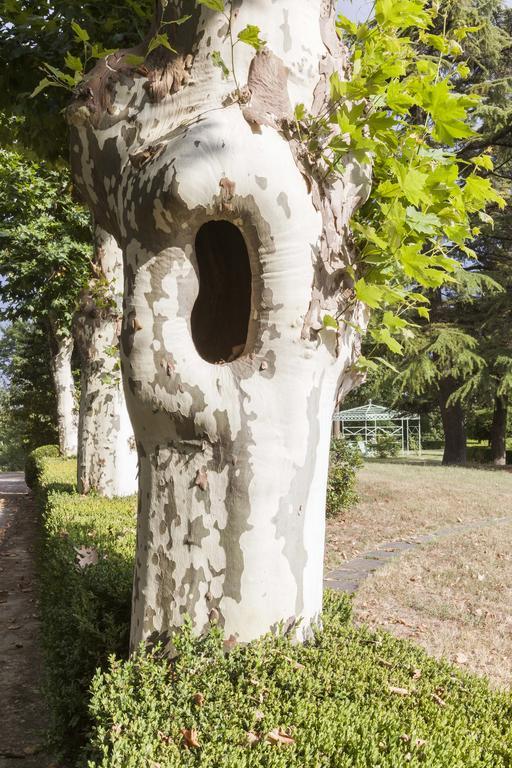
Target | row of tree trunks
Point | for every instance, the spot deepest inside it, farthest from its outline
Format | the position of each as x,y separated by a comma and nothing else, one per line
107,457
235,248
499,431
453,419
61,351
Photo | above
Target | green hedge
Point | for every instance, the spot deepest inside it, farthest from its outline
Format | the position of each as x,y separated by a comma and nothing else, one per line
350,698
35,460
482,454
85,610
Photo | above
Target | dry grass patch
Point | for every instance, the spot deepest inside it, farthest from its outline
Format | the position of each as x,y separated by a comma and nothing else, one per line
400,501
454,598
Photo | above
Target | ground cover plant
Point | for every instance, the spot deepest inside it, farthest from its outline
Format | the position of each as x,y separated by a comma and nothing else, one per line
349,698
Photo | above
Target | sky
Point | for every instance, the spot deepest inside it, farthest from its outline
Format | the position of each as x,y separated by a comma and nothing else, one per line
356,10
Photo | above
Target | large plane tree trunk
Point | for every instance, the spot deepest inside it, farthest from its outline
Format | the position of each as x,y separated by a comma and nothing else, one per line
236,245
499,431
61,352
107,456
454,426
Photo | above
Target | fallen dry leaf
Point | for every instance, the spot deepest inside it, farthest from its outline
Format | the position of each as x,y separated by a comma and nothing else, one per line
296,664
399,691
416,674
198,699
86,556
438,700
253,738
164,737
190,737
461,658
278,737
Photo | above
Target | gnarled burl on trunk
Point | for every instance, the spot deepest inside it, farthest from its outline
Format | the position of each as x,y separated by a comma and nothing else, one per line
235,244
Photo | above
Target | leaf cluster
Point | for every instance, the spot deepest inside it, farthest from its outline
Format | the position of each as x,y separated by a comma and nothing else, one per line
27,396
34,34
45,251
403,111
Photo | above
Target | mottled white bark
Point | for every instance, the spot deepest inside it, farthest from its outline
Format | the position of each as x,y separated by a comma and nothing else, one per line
61,351
107,456
233,444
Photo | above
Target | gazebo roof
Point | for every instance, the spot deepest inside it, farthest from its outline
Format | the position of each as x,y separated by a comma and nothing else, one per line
370,412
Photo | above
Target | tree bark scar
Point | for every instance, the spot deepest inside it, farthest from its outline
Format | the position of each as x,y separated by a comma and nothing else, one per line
139,159
202,479
169,76
94,96
268,85
228,188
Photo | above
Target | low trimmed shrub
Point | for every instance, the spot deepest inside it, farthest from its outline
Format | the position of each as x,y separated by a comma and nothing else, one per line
385,447
86,569
348,699
33,462
345,460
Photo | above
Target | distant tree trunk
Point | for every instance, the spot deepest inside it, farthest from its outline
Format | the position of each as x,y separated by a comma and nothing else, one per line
61,351
499,431
236,248
336,427
107,456
453,424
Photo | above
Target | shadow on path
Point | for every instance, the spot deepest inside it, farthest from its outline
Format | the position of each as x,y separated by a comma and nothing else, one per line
23,714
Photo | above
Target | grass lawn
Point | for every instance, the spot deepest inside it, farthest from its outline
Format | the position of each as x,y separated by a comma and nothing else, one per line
453,597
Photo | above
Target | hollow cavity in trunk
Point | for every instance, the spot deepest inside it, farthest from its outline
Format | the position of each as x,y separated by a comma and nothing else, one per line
220,317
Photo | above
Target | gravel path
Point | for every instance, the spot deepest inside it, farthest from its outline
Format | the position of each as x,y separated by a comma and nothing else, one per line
23,715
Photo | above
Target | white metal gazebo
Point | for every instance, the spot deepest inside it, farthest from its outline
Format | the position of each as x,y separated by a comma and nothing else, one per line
365,424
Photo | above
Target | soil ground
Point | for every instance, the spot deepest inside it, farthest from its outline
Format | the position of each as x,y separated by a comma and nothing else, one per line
23,715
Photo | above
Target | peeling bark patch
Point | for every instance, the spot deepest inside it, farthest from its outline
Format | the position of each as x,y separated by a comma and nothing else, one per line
261,181
202,479
168,74
268,85
227,192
